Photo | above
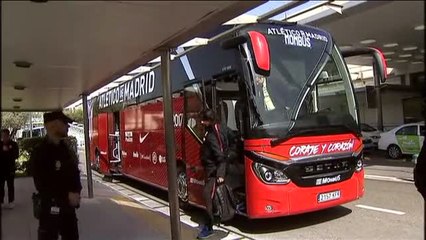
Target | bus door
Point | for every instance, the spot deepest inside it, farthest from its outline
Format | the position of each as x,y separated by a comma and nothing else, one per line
222,95
94,143
102,145
193,136
198,97
114,146
228,99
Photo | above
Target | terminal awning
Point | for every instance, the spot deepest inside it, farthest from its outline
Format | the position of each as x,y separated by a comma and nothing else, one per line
79,46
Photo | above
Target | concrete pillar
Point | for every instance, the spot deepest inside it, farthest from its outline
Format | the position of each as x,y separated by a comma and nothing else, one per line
170,146
87,146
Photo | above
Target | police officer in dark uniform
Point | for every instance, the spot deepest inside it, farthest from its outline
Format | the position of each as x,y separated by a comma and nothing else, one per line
57,179
10,152
217,144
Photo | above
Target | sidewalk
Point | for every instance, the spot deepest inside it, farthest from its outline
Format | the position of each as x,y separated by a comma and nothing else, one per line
377,164
108,216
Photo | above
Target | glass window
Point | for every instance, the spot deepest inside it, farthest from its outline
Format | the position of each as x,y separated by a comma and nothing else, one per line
409,131
422,131
330,101
291,66
194,107
286,96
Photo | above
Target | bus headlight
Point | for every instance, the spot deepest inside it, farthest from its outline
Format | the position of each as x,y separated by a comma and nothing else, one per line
269,174
359,165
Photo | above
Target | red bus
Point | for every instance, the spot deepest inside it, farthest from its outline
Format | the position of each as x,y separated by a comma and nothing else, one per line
283,88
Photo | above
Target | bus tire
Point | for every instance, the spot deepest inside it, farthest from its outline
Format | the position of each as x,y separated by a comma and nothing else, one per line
394,152
182,187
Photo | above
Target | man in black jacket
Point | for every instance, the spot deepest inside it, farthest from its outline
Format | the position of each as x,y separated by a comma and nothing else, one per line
10,152
57,179
420,172
420,169
217,143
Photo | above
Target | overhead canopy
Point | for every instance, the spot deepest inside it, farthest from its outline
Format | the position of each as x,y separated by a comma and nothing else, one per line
79,46
377,24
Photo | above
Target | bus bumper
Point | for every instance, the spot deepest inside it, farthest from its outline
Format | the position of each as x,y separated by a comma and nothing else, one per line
268,201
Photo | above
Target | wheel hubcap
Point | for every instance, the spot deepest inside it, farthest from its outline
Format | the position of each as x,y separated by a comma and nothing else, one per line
182,187
394,152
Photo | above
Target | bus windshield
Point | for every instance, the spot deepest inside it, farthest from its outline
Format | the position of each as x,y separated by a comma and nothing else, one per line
308,86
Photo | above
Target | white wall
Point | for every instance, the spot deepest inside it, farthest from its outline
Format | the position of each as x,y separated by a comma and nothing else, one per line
392,108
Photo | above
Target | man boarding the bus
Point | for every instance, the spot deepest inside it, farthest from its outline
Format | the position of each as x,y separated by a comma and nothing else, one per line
57,180
216,145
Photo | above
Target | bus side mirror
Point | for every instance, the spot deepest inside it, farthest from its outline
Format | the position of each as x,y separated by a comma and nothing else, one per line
379,66
379,62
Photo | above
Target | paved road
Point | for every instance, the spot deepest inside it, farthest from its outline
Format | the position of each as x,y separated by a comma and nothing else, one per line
390,209
350,221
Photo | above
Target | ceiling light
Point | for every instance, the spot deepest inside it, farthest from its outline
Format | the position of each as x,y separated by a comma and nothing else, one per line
389,45
417,62
388,53
405,55
401,60
19,87
368,41
409,48
419,28
17,99
419,57
22,64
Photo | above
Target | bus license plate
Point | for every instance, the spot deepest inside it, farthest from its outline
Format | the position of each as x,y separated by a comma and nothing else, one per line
325,197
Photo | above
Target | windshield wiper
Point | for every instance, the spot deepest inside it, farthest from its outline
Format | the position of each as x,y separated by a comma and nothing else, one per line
290,135
331,129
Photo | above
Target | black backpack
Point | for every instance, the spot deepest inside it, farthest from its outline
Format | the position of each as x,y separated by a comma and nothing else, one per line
224,203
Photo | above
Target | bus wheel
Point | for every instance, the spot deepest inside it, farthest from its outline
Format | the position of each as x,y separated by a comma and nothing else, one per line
394,152
182,187
97,163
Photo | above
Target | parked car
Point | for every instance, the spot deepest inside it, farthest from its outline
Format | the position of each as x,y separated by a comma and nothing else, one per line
404,139
368,143
371,136
25,133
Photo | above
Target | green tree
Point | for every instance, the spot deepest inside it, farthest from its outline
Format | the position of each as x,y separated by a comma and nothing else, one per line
76,114
14,120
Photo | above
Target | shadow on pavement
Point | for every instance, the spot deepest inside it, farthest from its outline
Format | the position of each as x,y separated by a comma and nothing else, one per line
253,226
256,226
379,158
260,226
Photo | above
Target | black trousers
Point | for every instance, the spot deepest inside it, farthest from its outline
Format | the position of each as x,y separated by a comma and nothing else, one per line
10,179
52,225
207,195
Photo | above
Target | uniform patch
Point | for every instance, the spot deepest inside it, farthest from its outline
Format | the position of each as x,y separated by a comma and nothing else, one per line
58,165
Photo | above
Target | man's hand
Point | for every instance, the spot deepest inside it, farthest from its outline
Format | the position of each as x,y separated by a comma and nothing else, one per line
220,180
74,199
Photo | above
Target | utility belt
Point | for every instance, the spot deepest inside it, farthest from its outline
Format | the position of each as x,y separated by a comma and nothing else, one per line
46,203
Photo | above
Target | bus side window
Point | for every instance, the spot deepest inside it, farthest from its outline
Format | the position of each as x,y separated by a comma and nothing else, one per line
193,109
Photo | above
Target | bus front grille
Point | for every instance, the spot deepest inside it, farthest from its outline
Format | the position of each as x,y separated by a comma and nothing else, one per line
316,173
